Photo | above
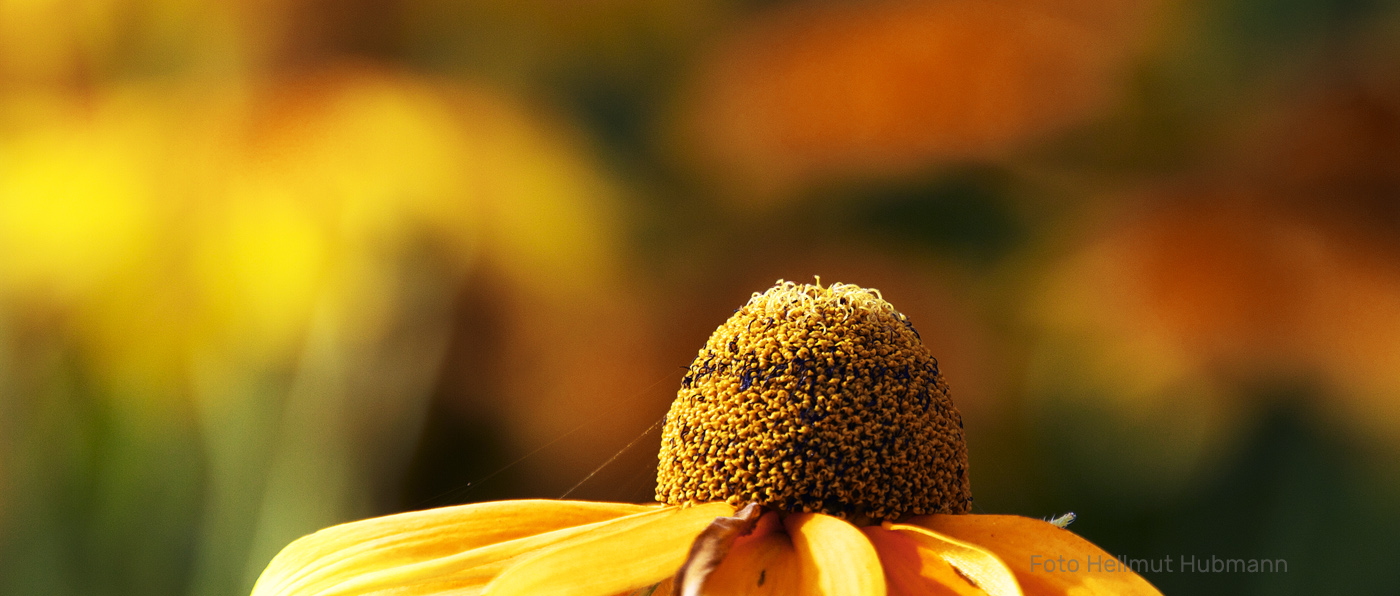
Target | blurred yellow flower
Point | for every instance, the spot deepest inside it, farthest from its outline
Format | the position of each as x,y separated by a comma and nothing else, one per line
378,153
219,217
260,264
77,201
381,155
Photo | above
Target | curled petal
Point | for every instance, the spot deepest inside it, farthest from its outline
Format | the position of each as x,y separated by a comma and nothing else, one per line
711,546
764,563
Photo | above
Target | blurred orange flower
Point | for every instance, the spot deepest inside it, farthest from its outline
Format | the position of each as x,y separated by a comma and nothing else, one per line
1161,331
887,87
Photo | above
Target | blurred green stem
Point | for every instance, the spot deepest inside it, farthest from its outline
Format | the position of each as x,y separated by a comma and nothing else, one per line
349,420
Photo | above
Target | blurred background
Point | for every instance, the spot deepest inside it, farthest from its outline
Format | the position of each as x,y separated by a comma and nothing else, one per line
270,265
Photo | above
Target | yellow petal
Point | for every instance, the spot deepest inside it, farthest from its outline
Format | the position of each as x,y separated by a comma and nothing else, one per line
911,570
344,552
1026,545
984,569
607,562
836,558
762,563
481,565
452,588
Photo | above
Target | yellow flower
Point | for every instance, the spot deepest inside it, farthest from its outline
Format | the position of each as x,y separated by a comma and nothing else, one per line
812,449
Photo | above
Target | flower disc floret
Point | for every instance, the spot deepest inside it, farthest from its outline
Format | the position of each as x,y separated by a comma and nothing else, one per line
816,399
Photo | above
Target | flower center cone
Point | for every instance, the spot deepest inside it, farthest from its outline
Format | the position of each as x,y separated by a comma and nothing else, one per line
817,400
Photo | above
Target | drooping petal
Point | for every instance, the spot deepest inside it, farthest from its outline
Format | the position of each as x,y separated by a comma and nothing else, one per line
602,563
334,555
984,568
711,547
1033,549
914,571
764,563
836,558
